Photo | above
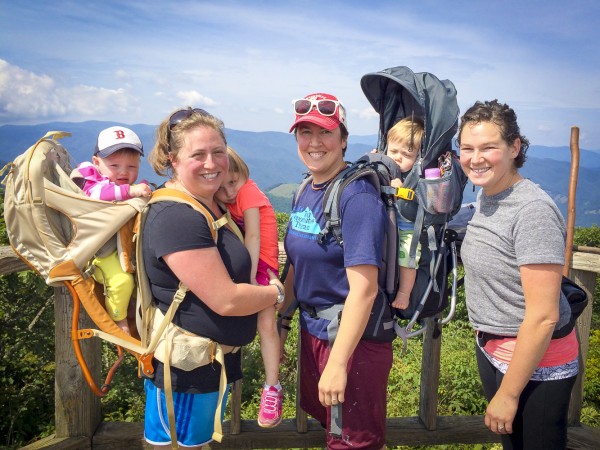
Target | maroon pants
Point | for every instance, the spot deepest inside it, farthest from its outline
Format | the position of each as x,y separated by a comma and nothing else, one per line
364,408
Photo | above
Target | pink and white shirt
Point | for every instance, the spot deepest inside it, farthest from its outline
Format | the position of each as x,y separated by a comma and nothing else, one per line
99,187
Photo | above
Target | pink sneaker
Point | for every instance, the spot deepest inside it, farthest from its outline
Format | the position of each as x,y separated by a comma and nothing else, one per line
271,401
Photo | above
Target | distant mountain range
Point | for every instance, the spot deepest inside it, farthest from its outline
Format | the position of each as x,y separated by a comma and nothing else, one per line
275,166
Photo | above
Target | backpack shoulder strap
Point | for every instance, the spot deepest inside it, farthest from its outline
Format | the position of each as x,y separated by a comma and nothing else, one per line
174,195
301,187
151,339
333,195
144,291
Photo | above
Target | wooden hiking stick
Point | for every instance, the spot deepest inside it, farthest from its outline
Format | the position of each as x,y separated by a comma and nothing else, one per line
571,201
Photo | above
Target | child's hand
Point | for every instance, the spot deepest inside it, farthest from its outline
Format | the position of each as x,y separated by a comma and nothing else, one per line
396,183
140,190
401,300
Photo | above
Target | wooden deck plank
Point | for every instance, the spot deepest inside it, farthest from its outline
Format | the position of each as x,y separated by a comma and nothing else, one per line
54,443
408,431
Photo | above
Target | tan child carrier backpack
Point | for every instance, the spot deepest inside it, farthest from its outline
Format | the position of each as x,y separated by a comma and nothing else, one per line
56,229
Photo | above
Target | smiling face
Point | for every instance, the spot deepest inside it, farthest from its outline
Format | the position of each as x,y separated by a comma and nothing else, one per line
122,167
202,162
232,184
486,158
321,150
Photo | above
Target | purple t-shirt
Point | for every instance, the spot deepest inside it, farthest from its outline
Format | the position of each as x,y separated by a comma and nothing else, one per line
320,269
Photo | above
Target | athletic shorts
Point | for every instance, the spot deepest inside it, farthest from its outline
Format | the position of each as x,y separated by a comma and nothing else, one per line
194,416
364,408
404,242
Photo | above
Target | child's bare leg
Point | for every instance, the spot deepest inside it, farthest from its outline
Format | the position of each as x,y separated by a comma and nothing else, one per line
124,325
269,345
407,281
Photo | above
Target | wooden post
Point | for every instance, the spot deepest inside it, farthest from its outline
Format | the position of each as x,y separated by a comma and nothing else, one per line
301,416
430,373
236,408
571,205
77,409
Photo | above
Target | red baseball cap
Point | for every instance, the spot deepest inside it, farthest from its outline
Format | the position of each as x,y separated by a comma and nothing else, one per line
314,114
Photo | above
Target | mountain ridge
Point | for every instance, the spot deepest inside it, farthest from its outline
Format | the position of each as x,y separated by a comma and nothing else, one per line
273,161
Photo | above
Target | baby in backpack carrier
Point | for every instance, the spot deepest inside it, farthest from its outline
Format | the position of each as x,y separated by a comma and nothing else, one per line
403,143
111,176
251,210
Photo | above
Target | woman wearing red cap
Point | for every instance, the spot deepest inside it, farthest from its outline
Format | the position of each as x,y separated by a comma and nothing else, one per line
342,384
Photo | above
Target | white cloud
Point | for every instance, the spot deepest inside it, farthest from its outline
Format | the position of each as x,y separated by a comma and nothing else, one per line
367,113
195,98
246,61
28,96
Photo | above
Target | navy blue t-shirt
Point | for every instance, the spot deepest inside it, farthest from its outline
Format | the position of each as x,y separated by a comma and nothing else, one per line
172,227
320,269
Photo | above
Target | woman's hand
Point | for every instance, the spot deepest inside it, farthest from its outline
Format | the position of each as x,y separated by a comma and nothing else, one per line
332,384
541,288
274,281
500,413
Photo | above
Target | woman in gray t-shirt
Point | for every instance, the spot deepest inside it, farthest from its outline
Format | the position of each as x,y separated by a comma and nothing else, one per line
513,254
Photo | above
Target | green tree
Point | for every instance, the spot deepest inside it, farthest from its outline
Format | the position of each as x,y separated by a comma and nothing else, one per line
587,236
27,364
26,358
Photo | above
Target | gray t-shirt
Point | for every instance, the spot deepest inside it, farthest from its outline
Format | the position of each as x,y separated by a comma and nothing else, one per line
518,226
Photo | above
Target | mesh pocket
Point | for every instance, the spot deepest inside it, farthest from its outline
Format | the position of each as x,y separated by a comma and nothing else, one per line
441,195
437,196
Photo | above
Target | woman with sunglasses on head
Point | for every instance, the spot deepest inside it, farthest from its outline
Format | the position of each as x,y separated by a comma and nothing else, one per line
352,374
513,254
221,304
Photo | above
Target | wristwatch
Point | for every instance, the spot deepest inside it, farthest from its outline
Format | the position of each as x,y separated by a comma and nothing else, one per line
281,295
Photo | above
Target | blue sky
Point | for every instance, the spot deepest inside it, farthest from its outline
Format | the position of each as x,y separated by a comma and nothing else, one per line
136,61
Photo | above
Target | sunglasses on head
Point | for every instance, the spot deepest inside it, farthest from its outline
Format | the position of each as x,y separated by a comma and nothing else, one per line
324,107
183,114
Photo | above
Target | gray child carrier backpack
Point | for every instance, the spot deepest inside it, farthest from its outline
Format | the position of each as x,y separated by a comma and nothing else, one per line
396,93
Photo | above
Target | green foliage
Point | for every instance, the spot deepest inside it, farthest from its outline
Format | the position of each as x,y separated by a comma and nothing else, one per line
125,401
3,236
591,392
282,221
27,364
460,391
404,380
26,358
254,376
589,237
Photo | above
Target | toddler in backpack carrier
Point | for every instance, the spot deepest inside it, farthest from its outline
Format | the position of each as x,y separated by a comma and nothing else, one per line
110,177
403,144
437,196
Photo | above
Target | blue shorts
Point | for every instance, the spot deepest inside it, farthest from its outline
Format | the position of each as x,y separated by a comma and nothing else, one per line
194,416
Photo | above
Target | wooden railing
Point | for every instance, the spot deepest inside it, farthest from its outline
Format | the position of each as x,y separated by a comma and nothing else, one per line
78,415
